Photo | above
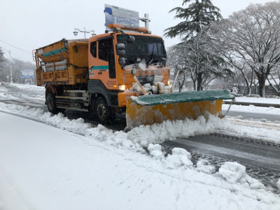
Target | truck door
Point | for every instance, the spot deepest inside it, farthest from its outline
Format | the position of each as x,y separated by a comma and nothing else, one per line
106,53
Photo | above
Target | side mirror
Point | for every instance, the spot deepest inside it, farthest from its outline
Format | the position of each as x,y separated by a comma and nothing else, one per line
120,48
163,61
130,39
122,62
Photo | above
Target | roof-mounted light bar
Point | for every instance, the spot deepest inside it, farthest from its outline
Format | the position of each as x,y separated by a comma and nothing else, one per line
118,27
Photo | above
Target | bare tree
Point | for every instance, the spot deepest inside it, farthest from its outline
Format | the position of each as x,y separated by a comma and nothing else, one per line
198,61
274,80
250,38
176,61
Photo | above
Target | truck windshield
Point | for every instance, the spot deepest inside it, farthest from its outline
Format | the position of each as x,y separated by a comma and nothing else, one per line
144,47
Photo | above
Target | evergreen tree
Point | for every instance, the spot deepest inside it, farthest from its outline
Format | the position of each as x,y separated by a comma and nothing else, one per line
196,16
2,58
2,64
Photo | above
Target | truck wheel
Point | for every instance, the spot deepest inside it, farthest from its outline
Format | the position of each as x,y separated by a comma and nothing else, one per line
102,110
51,104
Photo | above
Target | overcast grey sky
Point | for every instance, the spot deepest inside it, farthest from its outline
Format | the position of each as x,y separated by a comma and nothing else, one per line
31,24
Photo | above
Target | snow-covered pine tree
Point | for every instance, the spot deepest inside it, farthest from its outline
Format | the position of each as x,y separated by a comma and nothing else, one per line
196,16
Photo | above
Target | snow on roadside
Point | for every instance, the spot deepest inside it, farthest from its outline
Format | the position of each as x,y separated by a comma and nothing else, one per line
28,87
205,166
177,165
253,109
262,130
257,100
142,136
158,133
3,91
29,91
234,172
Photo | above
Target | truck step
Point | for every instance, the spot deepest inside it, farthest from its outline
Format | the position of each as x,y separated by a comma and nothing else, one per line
60,100
72,108
75,91
72,97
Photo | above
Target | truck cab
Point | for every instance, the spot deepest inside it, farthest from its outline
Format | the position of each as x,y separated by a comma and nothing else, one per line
115,58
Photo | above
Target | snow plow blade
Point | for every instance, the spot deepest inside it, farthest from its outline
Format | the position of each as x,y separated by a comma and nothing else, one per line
150,109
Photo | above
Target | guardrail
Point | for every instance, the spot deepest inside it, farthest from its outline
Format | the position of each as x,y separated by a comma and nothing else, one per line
254,104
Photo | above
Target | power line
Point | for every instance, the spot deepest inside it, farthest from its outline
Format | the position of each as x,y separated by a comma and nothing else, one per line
16,47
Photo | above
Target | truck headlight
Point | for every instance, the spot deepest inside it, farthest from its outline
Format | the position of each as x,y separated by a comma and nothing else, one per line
122,87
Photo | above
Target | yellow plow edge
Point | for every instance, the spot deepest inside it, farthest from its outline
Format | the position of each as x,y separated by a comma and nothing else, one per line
147,115
165,109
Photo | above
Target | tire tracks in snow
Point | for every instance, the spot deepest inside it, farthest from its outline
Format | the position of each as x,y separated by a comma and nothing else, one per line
261,159
256,124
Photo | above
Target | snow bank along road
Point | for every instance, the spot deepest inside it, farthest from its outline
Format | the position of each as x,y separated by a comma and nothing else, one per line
180,132
109,170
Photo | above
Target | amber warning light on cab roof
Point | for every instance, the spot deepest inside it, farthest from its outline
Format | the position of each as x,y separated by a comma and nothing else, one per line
119,27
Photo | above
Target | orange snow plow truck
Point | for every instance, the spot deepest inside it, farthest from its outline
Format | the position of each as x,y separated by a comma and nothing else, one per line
121,71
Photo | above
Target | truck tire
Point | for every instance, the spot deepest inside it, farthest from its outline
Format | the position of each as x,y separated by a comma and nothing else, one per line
102,110
50,100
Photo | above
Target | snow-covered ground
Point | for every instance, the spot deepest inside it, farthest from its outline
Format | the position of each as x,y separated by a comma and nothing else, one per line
68,164
28,87
255,109
37,92
258,100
